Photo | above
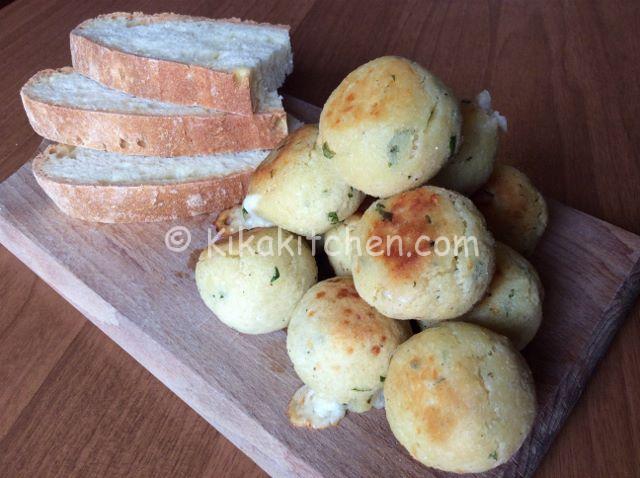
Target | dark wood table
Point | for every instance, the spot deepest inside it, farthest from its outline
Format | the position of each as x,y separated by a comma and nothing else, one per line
565,74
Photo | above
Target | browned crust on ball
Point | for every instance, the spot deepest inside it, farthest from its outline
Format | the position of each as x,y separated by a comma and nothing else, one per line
368,96
113,203
408,216
163,80
296,145
515,210
154,135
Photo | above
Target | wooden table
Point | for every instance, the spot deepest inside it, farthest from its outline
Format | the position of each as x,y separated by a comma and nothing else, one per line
73,404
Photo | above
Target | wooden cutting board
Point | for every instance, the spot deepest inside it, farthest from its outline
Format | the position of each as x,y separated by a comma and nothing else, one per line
143,296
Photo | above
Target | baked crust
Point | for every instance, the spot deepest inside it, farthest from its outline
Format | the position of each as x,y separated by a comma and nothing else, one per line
164,80
515,210
296,188
459,398
389,126
153,135
426,254
151,202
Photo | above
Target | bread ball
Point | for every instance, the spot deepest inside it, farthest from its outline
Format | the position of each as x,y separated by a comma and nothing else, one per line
340,346
472,165
251,284
297,189
459,398
515,211
389,126
430,255
513,304
338,242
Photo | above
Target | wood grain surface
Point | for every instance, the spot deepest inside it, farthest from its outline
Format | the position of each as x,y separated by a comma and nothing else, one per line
564,73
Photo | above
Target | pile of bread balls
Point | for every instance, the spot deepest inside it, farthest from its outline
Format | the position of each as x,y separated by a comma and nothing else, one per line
433,338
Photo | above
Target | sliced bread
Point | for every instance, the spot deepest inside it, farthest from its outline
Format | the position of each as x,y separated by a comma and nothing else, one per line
228,65
111,187
67,107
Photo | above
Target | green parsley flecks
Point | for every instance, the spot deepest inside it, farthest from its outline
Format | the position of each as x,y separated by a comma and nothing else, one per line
386,215
333,217
494,455
400,141
276,275
350,193
245,213
393,155
361,389
326,151
382,378
452,145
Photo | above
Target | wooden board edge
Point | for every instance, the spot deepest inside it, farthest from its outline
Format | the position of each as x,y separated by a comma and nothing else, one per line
583,368
272,455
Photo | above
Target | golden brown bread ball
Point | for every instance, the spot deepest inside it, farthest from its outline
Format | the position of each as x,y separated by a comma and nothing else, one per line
515,211
295,188
472,165
389,126
418,266
459,398
340,346
512,306
249,284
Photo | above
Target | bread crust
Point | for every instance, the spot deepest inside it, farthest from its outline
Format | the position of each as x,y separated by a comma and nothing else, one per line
402,274
163,80
459,398
415,117
339,345
298,190
154,135
149,202
515,210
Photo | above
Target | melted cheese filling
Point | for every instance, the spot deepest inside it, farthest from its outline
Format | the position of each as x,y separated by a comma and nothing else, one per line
307,409
250,218
483,100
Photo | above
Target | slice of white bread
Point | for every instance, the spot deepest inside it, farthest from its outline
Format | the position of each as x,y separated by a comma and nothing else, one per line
67,107
111,187
225,64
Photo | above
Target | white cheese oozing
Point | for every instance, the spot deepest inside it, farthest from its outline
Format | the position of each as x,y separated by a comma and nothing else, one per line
483,100
307,409
251,219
